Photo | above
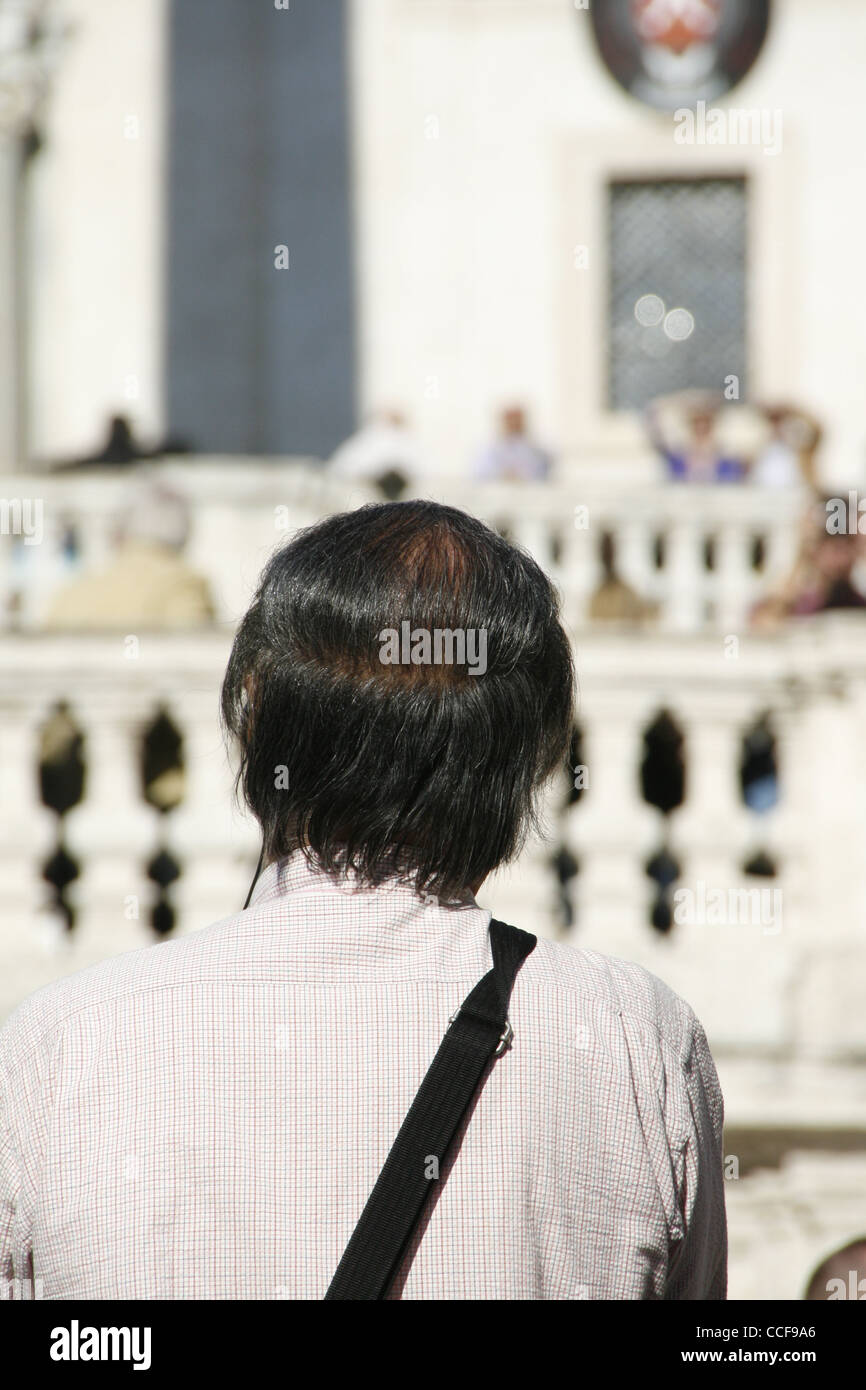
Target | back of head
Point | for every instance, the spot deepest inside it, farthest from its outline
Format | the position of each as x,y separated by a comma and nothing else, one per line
513,420
365,739
841,1276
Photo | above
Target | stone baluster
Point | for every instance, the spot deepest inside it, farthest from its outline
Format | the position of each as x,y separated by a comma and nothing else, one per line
535,534
93,525
9,604
216,843
732,578
725,922
823,780
27,828
781,543
611,830
683,603
713,824
634,541
112,832
579,571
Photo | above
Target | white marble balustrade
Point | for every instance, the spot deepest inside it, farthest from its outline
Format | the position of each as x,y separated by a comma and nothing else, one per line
783,1008
762,991
244,508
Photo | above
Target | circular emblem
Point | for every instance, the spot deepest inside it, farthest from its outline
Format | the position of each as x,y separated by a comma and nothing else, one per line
674,53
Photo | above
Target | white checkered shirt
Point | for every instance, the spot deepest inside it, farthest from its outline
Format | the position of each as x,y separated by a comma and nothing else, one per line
205,1118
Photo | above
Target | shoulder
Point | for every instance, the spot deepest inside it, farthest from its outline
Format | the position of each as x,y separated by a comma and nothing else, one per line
648,1007
39,1019
650,1034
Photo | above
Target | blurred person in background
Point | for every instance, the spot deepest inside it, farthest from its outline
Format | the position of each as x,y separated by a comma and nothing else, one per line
841,1276
699,458
829,582
823,577
512,456
384,453
787,459
614,600
147,582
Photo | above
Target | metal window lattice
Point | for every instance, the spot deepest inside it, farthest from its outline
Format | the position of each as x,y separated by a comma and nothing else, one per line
684,241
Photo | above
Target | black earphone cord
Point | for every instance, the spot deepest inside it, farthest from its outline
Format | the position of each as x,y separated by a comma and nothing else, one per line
255,879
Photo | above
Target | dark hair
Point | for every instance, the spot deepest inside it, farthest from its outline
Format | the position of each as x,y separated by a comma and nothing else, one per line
425,771
849,1259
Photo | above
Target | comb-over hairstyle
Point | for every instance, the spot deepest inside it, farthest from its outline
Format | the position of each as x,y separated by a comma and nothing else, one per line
425,771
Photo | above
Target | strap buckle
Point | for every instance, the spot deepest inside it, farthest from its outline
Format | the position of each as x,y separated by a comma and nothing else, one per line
504,1042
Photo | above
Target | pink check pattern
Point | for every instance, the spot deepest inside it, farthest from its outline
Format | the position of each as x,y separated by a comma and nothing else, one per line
205,1118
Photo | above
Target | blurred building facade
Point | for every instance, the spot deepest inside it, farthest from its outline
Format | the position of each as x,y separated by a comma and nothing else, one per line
471,157
242,235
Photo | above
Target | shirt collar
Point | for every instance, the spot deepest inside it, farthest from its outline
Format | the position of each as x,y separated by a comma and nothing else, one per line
295,874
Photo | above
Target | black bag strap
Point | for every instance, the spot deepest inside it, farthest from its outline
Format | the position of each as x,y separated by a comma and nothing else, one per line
476,1033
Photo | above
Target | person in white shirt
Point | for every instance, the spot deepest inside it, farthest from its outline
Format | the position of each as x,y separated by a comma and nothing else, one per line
787,458
512,456
383,453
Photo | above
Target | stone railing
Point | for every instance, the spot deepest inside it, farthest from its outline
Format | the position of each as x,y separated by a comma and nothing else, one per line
702,555
768,986
112,834
774,966
241,509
